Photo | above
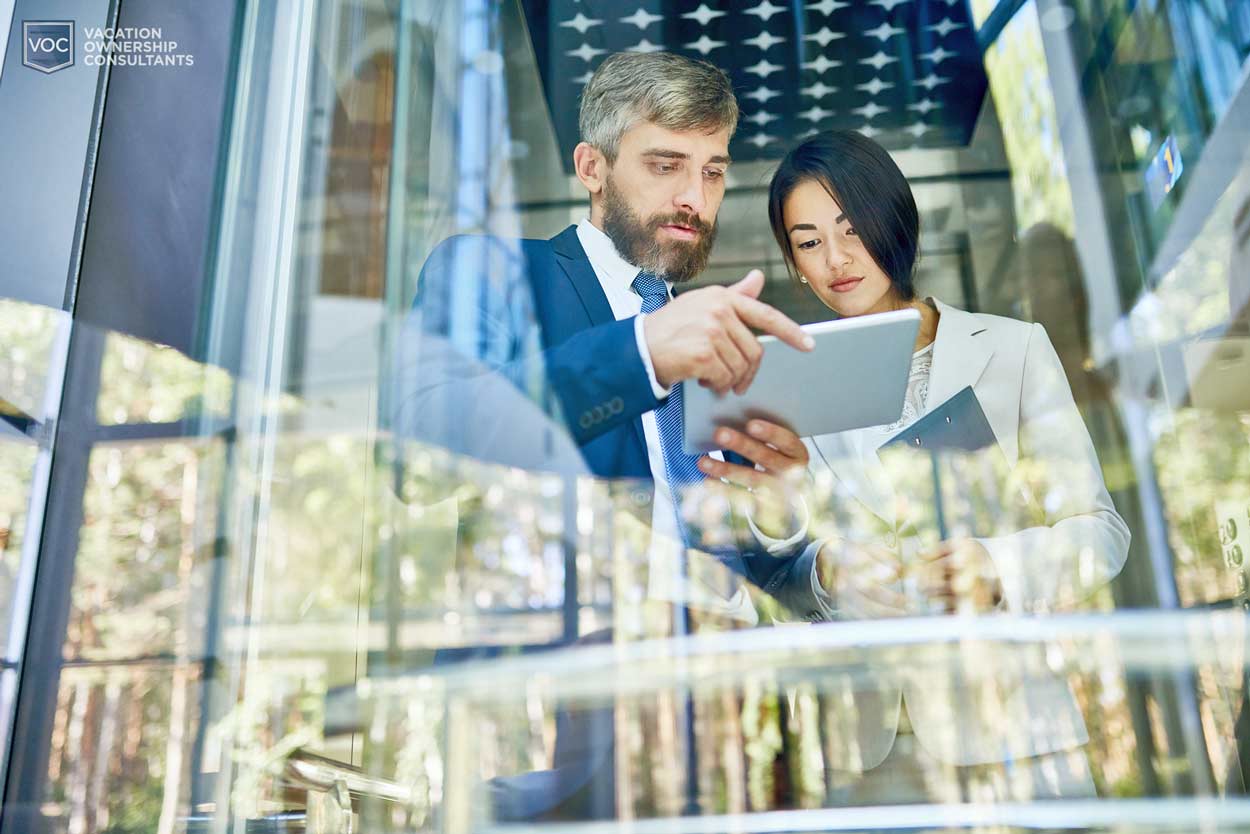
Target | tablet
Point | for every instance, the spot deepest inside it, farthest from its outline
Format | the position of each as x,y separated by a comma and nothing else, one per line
856,376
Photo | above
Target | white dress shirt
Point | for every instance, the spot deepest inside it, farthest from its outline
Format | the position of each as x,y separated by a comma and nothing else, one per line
616,277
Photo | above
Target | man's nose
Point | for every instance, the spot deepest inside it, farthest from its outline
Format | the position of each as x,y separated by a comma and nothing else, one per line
692,198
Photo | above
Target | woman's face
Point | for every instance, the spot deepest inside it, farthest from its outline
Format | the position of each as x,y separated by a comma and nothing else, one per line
831,256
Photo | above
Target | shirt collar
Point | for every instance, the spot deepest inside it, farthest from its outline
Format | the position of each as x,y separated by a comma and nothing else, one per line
609,264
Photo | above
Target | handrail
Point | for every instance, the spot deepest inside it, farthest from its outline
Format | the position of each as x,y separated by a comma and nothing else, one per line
319,773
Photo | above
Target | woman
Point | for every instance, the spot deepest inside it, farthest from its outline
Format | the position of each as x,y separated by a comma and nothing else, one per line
847,224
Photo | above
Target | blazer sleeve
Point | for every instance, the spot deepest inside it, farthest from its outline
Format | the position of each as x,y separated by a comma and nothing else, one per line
1084,542
475,373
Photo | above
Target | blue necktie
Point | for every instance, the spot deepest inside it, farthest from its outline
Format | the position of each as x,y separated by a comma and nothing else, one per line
681,468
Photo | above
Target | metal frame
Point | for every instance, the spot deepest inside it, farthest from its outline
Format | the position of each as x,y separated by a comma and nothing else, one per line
7,8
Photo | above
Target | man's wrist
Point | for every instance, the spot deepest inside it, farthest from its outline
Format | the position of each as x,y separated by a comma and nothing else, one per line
660,389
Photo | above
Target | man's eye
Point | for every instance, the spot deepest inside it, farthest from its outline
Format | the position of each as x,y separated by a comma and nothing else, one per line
665,169
809,244
713,174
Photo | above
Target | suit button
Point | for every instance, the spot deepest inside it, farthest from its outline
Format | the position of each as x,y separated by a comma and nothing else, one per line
616,405
586,420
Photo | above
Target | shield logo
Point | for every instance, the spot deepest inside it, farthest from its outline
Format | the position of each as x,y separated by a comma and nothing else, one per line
48,45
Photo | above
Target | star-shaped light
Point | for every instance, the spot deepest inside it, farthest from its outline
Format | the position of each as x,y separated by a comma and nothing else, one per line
931,80
759,140
874,86
938,55
642,18
761,118
764,68
764,11
870,110
822,64
870,131
815,113
945,27
703,15
823,35
884,32
762,94
888,5
879,60
705,44
765,40
584,78
581,23
645,45
925,105
918,129
586,52
827,7
818,90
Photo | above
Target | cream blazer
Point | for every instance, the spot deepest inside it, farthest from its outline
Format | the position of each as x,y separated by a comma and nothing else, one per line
982,703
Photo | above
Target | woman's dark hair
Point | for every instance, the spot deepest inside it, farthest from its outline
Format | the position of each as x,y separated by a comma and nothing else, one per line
872,191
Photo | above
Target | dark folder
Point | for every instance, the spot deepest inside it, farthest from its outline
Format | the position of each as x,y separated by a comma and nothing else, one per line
953,473
958,424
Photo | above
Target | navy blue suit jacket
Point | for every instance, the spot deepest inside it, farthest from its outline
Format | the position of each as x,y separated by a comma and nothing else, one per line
540,320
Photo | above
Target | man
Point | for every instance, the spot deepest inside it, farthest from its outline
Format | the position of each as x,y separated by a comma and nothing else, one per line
590,314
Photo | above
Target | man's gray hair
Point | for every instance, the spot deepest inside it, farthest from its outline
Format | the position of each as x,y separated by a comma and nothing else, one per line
672,91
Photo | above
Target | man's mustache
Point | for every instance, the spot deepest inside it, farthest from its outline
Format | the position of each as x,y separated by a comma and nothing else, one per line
692,221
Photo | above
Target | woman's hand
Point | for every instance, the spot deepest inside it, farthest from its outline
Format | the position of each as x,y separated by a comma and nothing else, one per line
773,484
961,576
862,578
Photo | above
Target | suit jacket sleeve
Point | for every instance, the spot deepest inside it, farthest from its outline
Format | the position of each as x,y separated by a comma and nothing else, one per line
1084,542
477,374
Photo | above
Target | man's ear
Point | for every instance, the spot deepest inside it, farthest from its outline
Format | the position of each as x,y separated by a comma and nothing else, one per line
591,167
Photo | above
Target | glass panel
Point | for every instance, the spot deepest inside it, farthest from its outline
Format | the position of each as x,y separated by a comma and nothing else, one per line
439,489
32,342
416,546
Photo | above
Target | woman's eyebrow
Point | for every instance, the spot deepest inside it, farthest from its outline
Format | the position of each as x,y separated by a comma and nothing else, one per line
805,227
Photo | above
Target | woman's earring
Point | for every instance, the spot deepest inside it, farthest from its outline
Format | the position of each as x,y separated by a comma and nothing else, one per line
802,279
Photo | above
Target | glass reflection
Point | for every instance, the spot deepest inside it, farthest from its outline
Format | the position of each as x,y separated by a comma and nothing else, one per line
383,555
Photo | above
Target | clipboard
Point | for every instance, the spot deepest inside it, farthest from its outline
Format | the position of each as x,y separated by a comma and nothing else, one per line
950,476
959,424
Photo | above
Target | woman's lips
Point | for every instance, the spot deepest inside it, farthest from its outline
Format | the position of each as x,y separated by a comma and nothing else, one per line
846,284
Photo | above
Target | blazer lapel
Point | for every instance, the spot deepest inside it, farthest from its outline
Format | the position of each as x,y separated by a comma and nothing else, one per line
844,454
959,355
576,265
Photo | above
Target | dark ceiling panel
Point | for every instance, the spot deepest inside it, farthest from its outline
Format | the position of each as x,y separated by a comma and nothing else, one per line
907,72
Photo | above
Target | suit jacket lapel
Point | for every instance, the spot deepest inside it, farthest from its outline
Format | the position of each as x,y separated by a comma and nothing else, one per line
959,355
576,265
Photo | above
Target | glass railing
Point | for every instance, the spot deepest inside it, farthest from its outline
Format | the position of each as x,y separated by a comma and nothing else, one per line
916,724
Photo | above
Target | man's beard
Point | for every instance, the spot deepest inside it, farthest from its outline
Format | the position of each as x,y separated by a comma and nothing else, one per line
640,244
